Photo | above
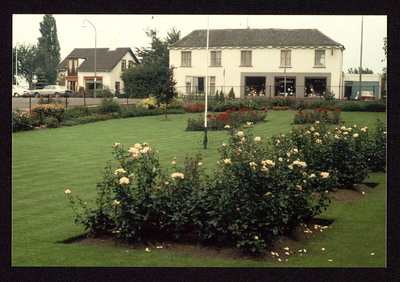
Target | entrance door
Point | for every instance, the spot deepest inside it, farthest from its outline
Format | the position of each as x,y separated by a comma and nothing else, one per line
347,91
198,84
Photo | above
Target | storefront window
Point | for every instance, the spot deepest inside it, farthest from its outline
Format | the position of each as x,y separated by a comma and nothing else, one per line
280,86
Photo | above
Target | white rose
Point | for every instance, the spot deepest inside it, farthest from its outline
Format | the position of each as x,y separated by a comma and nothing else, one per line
124,180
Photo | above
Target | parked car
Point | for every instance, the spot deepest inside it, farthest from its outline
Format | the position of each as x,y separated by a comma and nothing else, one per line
20,91
55,90
365,95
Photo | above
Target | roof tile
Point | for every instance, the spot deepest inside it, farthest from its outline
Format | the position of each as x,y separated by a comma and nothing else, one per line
256,38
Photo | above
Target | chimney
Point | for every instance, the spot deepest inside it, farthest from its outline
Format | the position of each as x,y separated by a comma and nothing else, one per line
113,43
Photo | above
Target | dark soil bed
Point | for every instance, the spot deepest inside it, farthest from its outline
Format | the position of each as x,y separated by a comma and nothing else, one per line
279,251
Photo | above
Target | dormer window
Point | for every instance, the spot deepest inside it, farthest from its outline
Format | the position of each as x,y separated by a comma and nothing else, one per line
72,67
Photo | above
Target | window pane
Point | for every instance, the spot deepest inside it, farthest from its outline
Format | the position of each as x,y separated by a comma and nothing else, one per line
249,56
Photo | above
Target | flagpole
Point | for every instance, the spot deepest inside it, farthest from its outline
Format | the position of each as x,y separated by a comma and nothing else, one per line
206,93
362,19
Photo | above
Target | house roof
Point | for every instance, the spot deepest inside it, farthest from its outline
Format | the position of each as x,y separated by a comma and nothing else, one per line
256,38
106,60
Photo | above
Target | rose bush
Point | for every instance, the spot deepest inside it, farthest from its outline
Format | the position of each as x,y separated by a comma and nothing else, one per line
322,115
261,189
232,117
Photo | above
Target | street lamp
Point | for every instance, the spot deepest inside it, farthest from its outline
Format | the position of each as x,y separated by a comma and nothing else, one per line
95,51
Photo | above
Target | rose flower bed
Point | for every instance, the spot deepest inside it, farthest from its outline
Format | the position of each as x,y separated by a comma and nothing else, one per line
258,193
322,115
261,189
230,118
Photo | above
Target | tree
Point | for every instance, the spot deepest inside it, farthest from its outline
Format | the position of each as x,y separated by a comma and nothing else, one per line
153,69
384,70
357,71
41,79
165,91
27,63
231,94
48,55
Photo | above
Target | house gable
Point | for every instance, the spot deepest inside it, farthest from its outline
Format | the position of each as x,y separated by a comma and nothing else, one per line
105,60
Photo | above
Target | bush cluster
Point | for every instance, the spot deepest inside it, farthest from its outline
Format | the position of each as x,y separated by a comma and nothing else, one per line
151,103
231,118
280,101
195,109
22,121
347,153
317,104
368,106
54,110
321,115
259,191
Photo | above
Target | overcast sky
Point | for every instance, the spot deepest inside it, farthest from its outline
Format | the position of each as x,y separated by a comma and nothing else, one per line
130,31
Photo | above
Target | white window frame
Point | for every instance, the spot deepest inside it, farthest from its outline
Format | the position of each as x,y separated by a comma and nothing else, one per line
212,84
245,58
215,58
319,60
186,58
286,58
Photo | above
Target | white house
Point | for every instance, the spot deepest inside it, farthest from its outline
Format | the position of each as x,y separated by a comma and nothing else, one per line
78,68
258,62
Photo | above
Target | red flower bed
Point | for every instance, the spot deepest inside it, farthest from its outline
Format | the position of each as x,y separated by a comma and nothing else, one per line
194,109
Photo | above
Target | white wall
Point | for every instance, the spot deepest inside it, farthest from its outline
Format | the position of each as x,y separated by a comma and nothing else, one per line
265,61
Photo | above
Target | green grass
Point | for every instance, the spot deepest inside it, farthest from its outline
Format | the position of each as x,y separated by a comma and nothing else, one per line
47,162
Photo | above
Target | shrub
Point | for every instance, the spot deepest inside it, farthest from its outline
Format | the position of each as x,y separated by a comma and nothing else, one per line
22,121
340,148
216,97
151,103
140,199
368,106
55,110
254,197
104,92
321,115
280,108
221,96
280,101
261,189
69,123
231,118
373,147
108,106
260,192
77,111
316,104
50,122
379,106
195,109
351,107
231,94
237,104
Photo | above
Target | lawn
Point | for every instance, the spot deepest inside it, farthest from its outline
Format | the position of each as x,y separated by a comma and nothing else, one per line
47,162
